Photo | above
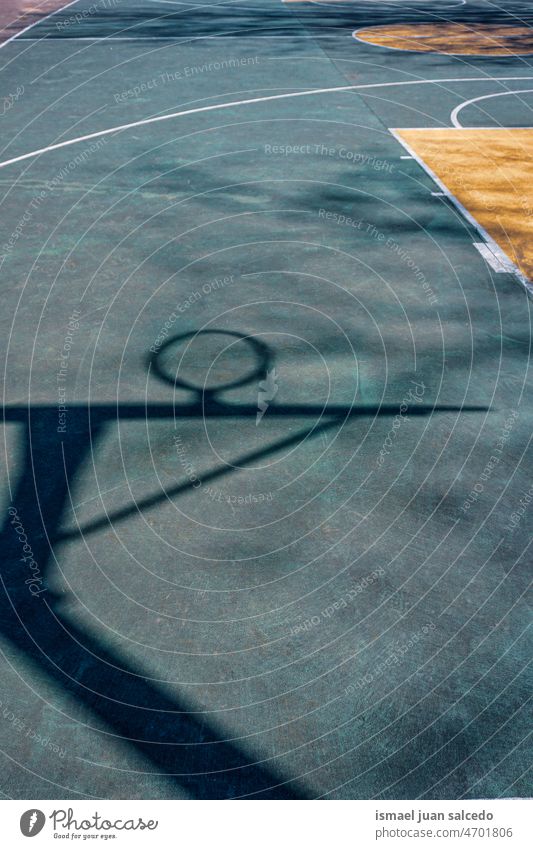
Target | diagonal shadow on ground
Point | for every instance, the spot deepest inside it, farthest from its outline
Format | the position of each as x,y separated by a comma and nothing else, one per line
161,729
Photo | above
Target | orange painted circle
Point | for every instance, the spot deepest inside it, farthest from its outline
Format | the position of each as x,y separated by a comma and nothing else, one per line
454,39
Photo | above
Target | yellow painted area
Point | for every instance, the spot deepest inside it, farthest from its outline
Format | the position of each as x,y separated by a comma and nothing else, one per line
455,39
491,173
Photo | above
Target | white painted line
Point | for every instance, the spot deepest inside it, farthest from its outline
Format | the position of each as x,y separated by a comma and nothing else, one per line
199,109
30,26
499,127
126,38
193,6
99,39
343,3
439,194
406,157
178,38
497,263
453,116
190,5
493,245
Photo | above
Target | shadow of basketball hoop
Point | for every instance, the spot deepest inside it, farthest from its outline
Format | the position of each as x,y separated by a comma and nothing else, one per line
138,711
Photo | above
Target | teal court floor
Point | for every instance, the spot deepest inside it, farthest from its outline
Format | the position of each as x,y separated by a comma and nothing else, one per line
267,407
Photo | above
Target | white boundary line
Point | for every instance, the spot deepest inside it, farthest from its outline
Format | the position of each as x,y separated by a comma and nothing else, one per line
472,129
453,117
231,103
494,261
341,4
105,38
39,21
493,246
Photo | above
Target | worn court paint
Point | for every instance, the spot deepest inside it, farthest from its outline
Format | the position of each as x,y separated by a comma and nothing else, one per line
490,171
195,672
475,39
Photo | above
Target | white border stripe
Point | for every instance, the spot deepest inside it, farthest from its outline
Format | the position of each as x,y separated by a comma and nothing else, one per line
455,121
39,21
491,243
308,93
495,262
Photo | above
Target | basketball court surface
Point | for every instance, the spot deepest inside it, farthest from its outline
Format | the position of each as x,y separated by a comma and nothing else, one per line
267,272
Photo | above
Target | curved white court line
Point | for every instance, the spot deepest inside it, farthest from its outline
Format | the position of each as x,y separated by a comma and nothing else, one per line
453,117
228,105
39,21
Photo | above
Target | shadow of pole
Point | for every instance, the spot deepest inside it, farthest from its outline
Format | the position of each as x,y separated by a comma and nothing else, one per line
179,746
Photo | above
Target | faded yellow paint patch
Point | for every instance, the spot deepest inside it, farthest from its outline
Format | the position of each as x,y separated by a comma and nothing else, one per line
491,173
455,39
